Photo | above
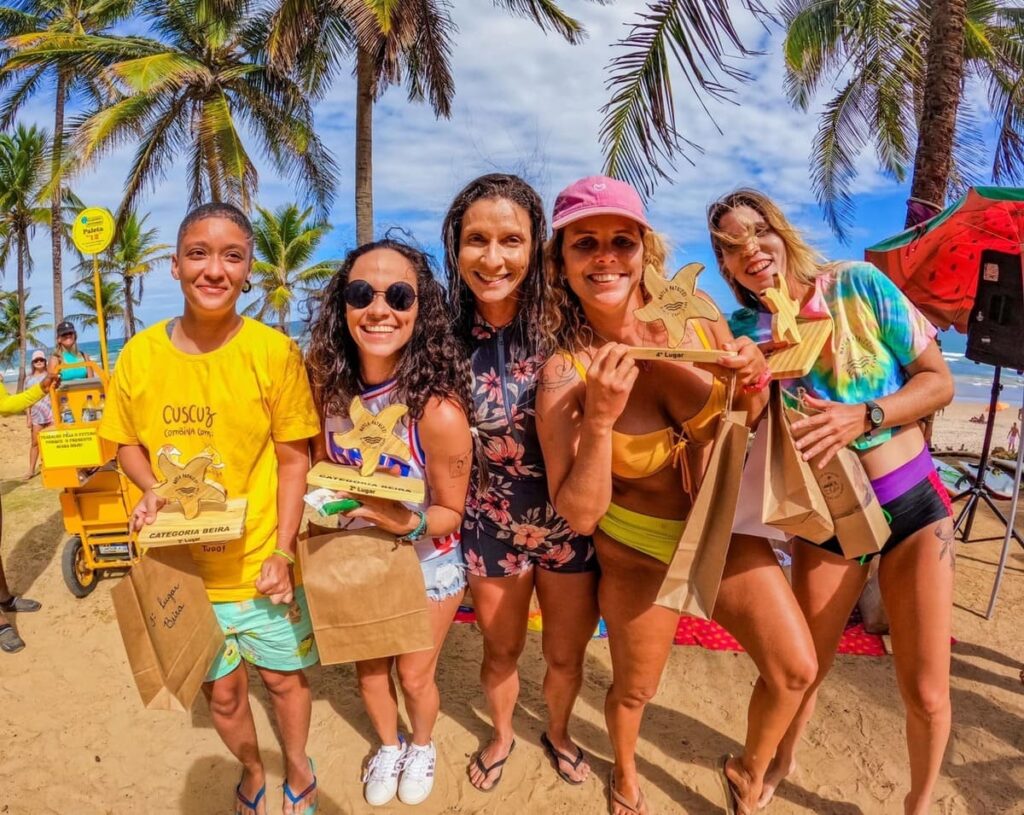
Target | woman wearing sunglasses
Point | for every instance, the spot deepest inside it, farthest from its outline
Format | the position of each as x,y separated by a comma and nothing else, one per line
382,333
67,352
625,446
879,375
40,415
513,539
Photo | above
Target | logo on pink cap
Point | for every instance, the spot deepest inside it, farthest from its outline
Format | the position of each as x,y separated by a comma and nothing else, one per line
597,195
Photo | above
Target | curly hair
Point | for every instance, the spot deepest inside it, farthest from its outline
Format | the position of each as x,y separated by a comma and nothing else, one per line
563,323
431,364
530,294
801,259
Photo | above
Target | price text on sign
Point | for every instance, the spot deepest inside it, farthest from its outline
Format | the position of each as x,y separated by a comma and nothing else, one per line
93,230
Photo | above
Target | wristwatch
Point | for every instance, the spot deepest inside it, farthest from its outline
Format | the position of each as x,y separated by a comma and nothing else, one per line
875,415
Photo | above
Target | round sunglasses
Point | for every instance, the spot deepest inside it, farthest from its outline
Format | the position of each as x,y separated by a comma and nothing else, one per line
399,296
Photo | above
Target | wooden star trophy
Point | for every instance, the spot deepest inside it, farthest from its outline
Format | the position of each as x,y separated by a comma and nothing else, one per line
373,436
798,339
675,302
197,510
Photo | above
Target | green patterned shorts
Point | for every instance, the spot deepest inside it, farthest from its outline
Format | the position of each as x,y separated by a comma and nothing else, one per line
277,637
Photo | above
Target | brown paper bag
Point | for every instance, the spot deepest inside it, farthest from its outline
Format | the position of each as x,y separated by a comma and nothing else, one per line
857,516
168,627
793,501
748,504
695,573
366,595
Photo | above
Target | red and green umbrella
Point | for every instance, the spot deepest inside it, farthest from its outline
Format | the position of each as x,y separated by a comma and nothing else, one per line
936,264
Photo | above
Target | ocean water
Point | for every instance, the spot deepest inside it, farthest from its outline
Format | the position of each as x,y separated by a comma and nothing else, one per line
973,379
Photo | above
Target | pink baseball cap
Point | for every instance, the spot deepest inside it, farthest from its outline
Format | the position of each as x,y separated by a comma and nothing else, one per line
597,195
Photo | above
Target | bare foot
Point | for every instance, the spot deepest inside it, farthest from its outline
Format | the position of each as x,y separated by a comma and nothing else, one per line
741,787
569,760
301,795
774,776
252,788
486,767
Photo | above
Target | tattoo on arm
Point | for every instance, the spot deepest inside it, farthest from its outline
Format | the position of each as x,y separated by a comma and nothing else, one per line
458,466
560,373
944,532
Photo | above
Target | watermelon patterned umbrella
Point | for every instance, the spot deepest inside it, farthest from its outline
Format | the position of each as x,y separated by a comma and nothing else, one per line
936,263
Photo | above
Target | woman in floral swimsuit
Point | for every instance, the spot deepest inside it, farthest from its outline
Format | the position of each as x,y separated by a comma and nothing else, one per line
513,540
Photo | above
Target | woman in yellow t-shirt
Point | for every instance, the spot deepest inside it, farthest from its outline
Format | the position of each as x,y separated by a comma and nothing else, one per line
382,333
213,382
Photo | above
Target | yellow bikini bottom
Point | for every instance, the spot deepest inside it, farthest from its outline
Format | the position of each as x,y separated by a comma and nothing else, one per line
657,537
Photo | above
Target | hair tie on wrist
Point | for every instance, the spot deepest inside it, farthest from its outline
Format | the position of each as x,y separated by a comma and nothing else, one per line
287,556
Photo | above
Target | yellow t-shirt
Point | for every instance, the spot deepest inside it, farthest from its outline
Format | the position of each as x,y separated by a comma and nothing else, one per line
237,400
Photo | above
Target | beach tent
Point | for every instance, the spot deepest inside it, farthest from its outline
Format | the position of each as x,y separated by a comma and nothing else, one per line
937,263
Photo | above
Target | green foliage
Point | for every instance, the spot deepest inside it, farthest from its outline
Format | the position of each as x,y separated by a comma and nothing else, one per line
285,241
9,316
111,295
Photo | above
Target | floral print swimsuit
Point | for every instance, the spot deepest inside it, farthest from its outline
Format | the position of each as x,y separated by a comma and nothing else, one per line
510,526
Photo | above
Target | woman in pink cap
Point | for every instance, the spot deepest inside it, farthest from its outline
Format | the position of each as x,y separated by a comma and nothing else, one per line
624,443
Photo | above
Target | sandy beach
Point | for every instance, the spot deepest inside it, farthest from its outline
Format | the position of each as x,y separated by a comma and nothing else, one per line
74,737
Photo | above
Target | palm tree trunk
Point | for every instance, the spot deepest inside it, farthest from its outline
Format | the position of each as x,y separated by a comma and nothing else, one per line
364,146
942,90
129,310
22,350
56,221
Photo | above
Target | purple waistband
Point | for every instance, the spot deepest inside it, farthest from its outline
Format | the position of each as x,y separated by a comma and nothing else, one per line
892,485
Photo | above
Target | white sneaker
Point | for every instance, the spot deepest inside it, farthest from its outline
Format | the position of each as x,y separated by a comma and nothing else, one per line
381,776
417,774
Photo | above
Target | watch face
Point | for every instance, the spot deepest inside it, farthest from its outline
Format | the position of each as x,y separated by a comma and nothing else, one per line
877,416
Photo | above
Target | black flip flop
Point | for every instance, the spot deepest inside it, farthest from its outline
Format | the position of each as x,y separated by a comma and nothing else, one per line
497,765
10,642
16,603
557,756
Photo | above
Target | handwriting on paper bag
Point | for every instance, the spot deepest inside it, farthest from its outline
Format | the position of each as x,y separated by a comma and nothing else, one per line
171,605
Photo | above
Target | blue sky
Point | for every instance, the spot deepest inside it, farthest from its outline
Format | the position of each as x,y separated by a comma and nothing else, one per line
530,103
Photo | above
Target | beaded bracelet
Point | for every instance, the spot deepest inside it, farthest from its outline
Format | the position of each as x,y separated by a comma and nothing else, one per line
290,558
418,532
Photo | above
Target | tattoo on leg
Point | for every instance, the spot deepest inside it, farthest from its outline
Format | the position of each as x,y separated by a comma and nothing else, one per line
944,532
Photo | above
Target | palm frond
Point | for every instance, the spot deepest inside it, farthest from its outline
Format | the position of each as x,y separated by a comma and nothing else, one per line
548,15
841,137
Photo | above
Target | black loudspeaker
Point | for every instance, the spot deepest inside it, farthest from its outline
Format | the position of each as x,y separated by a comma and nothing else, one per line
995,333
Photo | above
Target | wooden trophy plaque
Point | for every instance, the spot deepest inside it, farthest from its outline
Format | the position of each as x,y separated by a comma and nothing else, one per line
197,510
798,339
373,436
675,302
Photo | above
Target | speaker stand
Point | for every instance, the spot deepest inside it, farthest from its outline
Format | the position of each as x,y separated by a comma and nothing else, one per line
977,492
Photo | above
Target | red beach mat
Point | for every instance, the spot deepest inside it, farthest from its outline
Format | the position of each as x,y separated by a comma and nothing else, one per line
710,635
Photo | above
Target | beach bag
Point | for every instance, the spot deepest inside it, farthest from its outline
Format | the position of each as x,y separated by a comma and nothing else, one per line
792,500
168,626
695,573
366,595
857,516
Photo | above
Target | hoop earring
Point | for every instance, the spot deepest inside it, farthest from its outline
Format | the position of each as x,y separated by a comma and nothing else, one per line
247,287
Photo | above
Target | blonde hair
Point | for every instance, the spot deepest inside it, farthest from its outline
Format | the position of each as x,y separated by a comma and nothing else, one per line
563,323
802,261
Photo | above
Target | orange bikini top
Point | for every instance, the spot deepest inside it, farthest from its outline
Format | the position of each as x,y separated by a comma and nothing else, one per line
643,455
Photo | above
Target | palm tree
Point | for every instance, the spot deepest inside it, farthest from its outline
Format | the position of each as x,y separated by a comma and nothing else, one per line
189,93
639,135
22,179
284,242
133,255
111,295
10,321
392,40
25,25
901,70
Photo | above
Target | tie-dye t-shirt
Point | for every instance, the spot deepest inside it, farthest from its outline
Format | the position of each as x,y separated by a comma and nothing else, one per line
877,333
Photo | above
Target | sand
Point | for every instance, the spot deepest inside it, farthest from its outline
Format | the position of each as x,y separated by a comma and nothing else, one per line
74,737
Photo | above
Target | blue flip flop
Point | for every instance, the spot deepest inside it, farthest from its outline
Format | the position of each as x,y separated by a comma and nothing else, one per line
252,805
294,799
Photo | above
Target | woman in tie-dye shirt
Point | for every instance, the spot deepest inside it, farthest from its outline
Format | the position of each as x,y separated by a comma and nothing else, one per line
878,375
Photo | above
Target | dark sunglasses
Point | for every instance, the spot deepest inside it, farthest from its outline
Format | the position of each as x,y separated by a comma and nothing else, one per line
39,362
67,334
359,294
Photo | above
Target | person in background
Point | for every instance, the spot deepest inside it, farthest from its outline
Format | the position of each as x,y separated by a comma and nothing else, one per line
40,415
67,352
1012,439
10,405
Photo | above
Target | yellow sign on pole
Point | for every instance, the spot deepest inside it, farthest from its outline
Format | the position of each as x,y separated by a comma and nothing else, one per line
92,232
